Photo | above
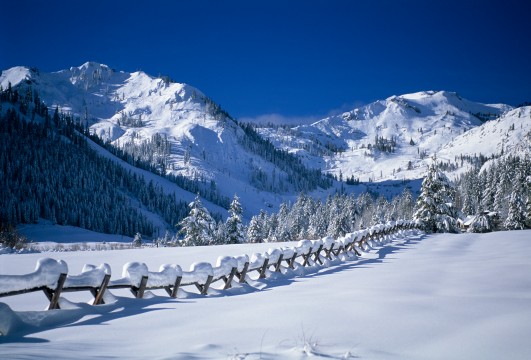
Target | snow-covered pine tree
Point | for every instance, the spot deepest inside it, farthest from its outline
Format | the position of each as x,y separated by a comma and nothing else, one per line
255,230
270,227
517,213
282,231
198,227
468,207
503,189
435,204
298,218
351,212
528,211
234,225
318,222
406,205
338,222
489,193
137,240
220,234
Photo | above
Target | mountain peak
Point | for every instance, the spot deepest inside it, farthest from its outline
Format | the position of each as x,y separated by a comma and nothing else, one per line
91,65
14,75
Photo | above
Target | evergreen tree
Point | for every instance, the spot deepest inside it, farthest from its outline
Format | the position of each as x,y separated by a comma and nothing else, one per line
270,228
489,194
528,211
255,230
137,240
338,222
220,234
297,219
318,223
435,204
234,225
517,213
198,227
406,205
282,230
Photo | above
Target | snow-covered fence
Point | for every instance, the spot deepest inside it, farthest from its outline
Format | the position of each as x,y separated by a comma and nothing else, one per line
51,276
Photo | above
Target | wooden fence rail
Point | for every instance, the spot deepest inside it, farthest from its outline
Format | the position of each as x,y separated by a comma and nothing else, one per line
52,277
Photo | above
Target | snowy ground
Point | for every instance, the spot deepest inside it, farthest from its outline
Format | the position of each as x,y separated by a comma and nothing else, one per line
425,297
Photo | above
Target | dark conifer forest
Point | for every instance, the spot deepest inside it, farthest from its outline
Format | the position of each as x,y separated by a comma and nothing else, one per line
48,171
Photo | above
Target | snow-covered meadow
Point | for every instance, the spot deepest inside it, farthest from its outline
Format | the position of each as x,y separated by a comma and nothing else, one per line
419,297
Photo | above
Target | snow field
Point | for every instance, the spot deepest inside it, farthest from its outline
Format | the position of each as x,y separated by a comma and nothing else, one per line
440,296
137,276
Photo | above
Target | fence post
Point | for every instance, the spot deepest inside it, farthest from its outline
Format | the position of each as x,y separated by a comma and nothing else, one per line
339,250
173,292
138,292
291,262
204,288
244,272
353,248
228,281
306,257
53,295
263,269
316,255
277,266
98,293
330,251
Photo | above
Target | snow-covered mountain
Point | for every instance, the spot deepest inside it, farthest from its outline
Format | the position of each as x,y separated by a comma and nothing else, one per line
393,139
510,133
186,132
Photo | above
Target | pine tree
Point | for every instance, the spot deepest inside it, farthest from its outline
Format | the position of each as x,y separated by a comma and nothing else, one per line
282,230
406,205
318,222
338,222
255,231
517,213
198,227
489,194
528,211
435,204
270,228
297,219
220,234
234,225
137,241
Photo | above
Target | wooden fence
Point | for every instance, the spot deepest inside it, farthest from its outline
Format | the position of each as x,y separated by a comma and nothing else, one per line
51,275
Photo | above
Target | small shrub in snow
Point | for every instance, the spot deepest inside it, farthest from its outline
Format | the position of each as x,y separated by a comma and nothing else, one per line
137,241
10,238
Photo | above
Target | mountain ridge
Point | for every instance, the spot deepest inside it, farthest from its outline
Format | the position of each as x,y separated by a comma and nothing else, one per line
199,139
389,140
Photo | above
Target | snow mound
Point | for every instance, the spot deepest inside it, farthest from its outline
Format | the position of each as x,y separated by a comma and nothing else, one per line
90,276
46,273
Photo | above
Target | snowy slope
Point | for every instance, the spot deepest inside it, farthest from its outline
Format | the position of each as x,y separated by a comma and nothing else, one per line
508,134
420,123
205,144
133,107
440,296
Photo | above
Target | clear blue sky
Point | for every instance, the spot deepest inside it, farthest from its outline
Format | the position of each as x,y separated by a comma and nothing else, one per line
297,59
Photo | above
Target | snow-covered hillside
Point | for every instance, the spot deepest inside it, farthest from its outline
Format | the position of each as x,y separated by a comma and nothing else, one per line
188,133
509,134
185,133
389,139
441,296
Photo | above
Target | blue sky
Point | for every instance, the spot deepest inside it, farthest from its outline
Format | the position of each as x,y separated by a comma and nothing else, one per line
288,60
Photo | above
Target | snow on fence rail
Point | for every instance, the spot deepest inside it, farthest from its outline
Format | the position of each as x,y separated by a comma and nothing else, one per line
51,276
